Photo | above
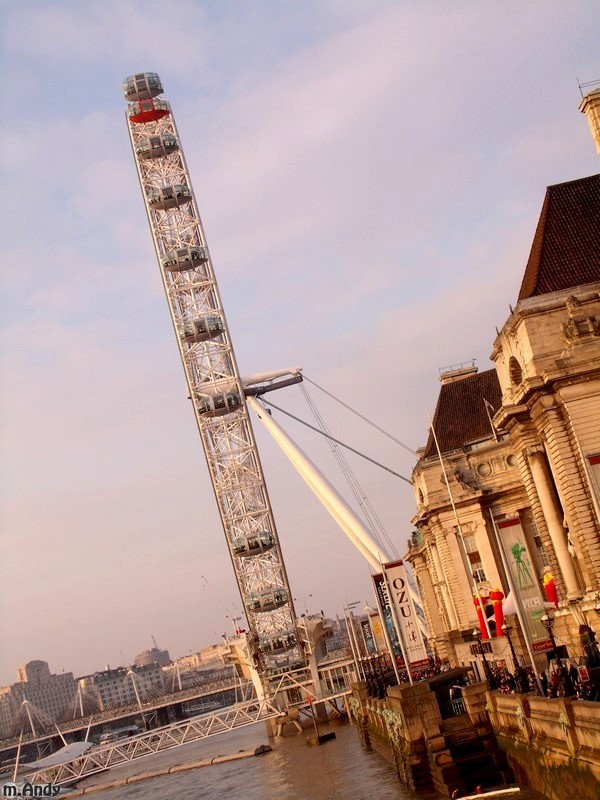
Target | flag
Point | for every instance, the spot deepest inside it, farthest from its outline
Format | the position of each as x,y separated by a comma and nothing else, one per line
490,411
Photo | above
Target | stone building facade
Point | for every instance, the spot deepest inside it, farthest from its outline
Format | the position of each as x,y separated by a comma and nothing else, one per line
153,656
454,552
122,686
547,357
521,448
49,697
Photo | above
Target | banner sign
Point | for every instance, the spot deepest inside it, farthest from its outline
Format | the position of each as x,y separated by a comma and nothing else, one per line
367,635
375,620
386,616
405,613
512,541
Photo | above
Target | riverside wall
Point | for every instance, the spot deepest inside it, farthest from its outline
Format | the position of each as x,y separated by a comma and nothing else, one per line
551,745
405,727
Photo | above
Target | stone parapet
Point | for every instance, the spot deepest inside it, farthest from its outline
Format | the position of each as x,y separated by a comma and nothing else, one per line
475,700
408,729
550,743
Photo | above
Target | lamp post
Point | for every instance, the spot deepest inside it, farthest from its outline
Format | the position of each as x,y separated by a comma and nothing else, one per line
489,677
521,677
565,687
548,623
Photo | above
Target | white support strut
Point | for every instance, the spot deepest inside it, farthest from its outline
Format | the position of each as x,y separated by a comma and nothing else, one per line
350,523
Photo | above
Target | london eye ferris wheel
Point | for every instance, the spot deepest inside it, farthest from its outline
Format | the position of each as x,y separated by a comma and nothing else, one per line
213,379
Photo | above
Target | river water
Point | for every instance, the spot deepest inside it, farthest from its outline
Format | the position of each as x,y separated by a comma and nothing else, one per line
336,770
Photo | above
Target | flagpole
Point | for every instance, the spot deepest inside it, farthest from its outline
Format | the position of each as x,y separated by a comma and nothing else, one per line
488,405
462,538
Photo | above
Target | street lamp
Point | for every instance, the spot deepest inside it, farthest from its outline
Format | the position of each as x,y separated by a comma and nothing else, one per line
234,622
565,682
548,622
521,677
489,677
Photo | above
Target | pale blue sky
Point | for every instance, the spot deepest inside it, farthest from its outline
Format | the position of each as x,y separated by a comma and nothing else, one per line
370,175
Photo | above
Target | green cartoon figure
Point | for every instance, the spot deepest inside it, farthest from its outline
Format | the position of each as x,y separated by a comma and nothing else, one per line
523,574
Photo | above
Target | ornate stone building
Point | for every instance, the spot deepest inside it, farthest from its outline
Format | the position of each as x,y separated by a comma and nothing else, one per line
123,686
527,491
547,357
452,553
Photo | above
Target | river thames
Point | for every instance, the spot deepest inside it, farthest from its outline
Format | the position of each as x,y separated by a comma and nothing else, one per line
340,768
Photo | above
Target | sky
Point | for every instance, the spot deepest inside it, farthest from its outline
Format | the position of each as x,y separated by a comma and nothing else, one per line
369,174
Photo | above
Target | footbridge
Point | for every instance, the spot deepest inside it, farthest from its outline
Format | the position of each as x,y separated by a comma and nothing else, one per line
151,709
104,757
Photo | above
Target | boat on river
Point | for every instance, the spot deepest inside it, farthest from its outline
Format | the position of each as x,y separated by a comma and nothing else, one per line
500,793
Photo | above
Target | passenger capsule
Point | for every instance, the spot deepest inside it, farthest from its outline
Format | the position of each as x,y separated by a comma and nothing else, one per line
143,86
165,198
284,668
184,257
253,544
217,405
156,147
148,110
278,643
268,600
200,329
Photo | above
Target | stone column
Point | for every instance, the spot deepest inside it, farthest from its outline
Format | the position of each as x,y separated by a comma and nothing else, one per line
524,438
428,596
450,610
554,519
566,463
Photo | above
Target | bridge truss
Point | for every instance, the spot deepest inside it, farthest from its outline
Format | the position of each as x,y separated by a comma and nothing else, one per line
104,757
336,679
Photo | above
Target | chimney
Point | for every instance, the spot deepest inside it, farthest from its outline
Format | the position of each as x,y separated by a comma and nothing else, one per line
590,106
457,372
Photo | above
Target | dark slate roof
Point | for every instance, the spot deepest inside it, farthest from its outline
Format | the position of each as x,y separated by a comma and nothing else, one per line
566,246
460,415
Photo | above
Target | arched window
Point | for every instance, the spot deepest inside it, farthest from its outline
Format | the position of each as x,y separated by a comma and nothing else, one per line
514,371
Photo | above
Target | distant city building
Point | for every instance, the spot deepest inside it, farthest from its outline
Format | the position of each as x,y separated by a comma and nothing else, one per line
152,656
123,686
49,697
207,657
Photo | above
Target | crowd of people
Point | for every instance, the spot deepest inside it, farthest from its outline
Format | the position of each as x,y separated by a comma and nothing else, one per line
379,673
558,680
